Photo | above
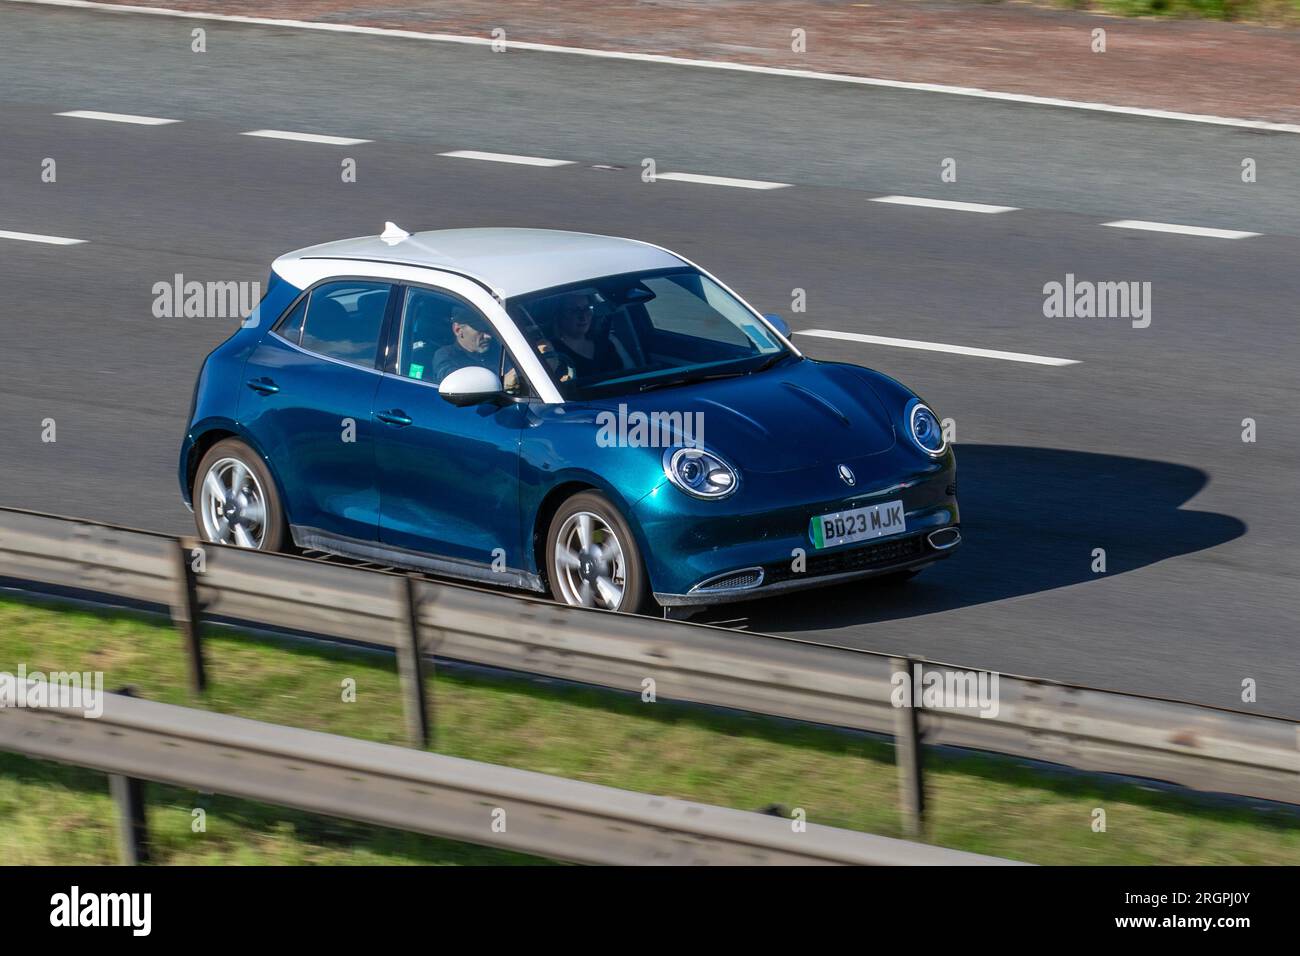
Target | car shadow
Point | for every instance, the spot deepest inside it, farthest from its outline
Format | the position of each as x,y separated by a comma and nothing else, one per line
1031,518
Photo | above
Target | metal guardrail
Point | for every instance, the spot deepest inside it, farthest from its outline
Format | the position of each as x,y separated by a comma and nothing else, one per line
427,793
1188,744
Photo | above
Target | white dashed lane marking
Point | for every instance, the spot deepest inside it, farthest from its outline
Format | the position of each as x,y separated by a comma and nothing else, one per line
720,181
117,117
939,347
1202,231
305,137
683,61
35,237
506,158
700,179
943,204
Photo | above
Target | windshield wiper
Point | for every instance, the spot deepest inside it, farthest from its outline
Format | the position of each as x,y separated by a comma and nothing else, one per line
687,380
733,373
768,362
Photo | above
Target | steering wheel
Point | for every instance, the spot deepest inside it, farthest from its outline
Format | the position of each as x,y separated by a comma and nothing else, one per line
551,357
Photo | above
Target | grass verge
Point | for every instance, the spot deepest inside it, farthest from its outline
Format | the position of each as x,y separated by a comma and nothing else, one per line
1271,12
51,814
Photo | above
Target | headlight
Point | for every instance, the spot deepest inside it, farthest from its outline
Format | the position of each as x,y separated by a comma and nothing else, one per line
699,473
924,427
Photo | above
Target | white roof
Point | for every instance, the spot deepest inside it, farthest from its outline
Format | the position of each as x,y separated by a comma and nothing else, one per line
510,261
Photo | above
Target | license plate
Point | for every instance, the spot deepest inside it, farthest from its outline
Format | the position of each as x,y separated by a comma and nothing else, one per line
857,524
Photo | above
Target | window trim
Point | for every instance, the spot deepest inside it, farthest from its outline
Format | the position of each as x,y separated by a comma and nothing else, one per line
399,327
284,317
685,267
309,271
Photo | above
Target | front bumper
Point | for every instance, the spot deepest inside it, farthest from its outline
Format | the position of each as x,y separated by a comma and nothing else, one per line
905,553
757,542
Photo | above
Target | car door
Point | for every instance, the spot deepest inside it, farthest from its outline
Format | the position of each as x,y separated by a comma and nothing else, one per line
307,402
448,475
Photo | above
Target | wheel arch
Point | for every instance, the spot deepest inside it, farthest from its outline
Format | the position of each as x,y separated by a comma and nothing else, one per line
561,491
213,432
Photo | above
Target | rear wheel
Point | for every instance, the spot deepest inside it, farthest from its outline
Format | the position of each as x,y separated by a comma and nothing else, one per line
235,501
592,559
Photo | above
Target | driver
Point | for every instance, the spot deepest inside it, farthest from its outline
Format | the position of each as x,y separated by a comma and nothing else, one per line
472,344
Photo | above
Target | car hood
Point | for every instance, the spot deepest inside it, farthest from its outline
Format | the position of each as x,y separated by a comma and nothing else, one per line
796,415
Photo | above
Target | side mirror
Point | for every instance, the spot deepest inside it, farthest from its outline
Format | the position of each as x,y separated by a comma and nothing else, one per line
778,323
471,385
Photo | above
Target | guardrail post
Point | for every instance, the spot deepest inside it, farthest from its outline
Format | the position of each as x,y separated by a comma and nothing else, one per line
186,613
128,799
410,663
132,827
907,750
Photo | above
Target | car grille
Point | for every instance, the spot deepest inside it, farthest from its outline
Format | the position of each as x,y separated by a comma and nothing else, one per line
879,555
748,578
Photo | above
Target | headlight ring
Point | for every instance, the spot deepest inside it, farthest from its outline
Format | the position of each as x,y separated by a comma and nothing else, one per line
926,429
700,473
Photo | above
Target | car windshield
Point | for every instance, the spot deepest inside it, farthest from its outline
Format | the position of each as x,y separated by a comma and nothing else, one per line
627,333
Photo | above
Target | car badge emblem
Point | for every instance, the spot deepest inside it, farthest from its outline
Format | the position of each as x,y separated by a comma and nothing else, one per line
847,474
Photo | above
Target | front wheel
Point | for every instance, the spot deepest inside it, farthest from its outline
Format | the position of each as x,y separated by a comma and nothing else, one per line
592,558
235,501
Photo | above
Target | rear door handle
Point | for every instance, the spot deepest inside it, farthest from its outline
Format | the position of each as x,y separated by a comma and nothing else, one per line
263,386
395,417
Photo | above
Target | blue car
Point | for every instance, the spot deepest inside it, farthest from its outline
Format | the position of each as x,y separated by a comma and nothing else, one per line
555,411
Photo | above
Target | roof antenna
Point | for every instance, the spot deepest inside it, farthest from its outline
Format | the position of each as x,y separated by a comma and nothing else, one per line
393,233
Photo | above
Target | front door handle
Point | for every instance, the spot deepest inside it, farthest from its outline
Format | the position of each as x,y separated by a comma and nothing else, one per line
395,417
263,386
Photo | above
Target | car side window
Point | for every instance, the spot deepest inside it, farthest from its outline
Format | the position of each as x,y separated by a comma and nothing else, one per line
289,328
344,320
441,334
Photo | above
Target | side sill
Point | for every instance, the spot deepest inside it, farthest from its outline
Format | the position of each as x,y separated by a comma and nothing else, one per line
314,539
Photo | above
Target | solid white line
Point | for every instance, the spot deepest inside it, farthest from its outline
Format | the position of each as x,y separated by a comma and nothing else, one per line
305,137
1181,230
938,347
719,181
682,61
506,158
34,237
943,204
118,117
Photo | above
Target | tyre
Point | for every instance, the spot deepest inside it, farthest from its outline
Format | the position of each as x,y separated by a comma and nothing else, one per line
592,559
235,501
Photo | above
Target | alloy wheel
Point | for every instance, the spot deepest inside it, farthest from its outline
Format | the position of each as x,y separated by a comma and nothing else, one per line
233,506
589,563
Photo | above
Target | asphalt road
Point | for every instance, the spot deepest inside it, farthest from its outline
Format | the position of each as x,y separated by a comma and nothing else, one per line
1136,450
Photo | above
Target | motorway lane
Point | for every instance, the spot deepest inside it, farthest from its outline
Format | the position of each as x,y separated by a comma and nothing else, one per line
1136,450
692,120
